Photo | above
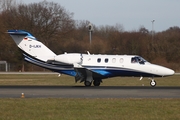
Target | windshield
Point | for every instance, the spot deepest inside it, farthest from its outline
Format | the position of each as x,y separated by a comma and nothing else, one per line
138,59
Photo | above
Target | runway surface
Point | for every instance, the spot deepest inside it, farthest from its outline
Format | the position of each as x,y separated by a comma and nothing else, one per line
89,92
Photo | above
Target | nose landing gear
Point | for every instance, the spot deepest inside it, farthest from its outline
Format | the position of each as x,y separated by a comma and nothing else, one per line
153,82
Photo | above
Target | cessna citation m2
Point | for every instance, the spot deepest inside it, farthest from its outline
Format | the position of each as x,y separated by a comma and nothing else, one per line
87,68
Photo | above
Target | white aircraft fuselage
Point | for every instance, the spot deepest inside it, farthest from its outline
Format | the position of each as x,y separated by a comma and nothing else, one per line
88,67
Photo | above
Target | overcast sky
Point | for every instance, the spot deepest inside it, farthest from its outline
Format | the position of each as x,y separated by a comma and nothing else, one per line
130,13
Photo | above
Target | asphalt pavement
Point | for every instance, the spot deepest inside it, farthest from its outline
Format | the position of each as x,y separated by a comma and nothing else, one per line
89,92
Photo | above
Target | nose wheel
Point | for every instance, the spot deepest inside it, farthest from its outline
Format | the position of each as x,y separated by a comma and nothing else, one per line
153,83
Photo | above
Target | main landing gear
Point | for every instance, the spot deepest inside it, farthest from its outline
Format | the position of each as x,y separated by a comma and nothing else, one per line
87,83
95,83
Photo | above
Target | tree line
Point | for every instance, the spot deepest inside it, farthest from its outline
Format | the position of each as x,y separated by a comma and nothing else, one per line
53,25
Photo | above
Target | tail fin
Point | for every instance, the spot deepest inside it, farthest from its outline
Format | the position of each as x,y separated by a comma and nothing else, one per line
30,45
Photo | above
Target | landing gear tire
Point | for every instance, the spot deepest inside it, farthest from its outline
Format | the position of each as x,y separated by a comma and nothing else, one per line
87,83
96,83
153,83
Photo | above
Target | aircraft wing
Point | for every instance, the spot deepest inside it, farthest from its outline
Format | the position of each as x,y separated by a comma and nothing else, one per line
83,72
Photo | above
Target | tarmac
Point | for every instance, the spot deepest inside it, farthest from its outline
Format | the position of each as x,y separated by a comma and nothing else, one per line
88,92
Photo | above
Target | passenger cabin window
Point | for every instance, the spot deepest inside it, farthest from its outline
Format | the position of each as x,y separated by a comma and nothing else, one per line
121,60
137,59
99,60
113,60
106,60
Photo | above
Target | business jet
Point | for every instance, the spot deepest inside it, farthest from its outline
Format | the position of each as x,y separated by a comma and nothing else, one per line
87,68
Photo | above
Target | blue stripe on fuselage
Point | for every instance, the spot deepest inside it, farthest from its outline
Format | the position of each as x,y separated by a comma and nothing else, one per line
122,72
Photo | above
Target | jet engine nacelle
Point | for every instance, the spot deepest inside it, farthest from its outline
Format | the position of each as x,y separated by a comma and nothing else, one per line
69,58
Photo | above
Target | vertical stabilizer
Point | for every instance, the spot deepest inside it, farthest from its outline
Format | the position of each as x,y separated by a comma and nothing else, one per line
30,45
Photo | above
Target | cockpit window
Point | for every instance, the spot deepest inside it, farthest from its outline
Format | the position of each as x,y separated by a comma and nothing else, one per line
138,59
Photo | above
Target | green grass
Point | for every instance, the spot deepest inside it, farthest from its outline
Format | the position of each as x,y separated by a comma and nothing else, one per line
53,79
89,109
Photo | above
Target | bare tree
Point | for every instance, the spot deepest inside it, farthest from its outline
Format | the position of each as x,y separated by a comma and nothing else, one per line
46,20
7,4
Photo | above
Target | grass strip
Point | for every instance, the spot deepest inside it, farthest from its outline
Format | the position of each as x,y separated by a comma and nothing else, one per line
89,109
13,79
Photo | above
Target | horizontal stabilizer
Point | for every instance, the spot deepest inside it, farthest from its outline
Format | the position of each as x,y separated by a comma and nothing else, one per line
21,33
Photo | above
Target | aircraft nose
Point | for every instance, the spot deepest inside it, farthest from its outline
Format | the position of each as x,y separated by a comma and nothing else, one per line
169,72
163,71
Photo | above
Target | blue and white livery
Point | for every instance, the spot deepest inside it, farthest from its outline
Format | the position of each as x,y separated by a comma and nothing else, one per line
87,68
